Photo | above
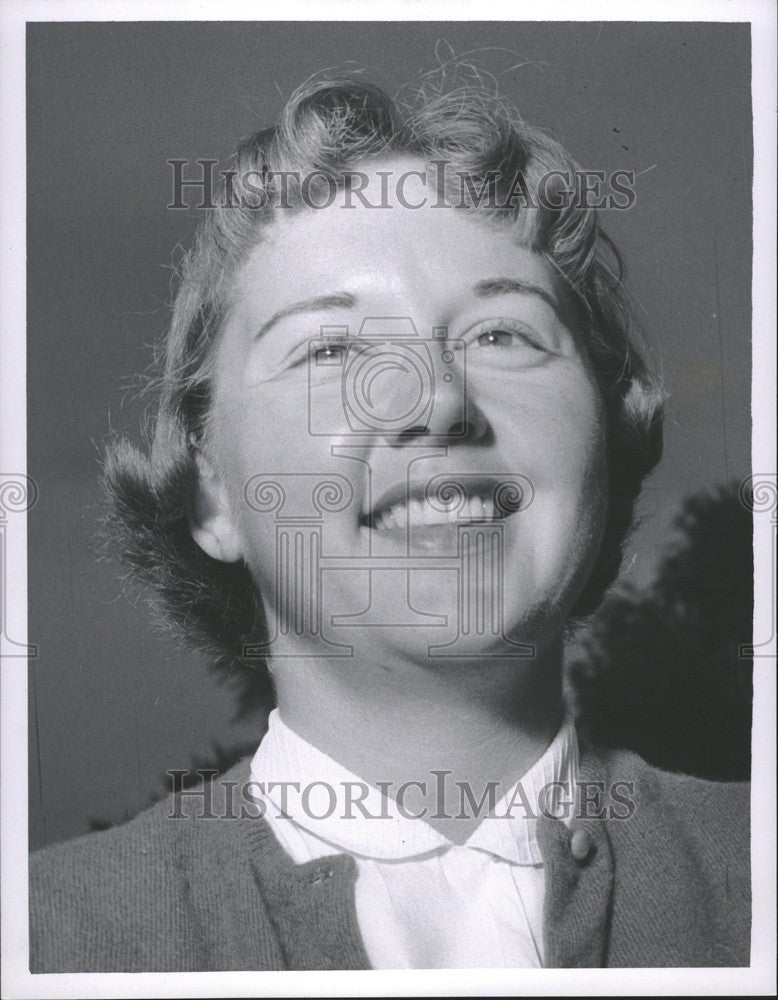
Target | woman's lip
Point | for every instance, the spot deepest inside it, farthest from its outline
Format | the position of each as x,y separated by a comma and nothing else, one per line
440,538
463,521
419,530
424,537
413,529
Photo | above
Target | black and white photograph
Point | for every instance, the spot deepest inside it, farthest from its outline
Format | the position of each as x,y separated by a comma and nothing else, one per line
388,503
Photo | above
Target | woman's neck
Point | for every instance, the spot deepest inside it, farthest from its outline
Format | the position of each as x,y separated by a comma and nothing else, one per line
485,722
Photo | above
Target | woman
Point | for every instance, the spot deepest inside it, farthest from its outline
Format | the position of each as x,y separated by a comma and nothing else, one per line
401,430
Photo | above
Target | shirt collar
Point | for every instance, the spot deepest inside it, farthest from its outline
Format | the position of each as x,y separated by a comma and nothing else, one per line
549,786
326,800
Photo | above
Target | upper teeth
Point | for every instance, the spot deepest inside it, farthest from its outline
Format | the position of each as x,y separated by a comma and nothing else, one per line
419,512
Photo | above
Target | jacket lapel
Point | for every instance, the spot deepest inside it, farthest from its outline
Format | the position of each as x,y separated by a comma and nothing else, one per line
311,905
579,882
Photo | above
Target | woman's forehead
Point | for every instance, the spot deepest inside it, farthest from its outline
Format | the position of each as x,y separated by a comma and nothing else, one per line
316,250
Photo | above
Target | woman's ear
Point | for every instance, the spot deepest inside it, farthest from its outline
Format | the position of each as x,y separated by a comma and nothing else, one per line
210,521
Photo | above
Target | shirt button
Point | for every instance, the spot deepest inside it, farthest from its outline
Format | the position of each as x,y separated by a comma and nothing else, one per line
580,845
321,876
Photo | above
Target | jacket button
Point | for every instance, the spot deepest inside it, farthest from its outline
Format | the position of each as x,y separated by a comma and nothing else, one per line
580,845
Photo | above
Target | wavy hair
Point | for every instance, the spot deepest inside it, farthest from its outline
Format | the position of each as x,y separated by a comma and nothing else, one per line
328,126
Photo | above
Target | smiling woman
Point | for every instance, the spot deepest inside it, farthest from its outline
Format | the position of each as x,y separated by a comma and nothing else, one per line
397,450
337,129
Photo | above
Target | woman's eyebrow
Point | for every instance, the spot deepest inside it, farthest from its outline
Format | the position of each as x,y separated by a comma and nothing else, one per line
320,303
486,288
505,286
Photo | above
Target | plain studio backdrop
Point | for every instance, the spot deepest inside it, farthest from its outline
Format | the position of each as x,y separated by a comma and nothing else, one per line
115,704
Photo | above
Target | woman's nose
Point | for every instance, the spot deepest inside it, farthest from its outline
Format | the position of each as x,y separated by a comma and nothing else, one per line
451,417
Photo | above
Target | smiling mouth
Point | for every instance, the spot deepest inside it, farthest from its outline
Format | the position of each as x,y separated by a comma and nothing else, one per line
482,502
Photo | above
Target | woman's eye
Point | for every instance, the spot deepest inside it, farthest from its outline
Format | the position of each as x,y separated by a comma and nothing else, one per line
330,354
508,343
496,338
505,336
321,356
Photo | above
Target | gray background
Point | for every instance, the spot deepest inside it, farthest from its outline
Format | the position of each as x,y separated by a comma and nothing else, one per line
114,704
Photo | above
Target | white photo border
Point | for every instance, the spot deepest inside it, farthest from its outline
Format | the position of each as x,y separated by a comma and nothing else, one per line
16,979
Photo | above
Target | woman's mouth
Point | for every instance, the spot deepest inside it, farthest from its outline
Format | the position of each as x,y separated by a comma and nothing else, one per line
444,504
417,513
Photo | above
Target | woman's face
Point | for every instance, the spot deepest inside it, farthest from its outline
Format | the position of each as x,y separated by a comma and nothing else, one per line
381,349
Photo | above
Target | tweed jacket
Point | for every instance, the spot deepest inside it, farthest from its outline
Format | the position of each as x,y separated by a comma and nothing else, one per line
199,882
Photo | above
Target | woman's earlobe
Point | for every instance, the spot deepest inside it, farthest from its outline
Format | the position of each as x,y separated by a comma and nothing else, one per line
210,519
